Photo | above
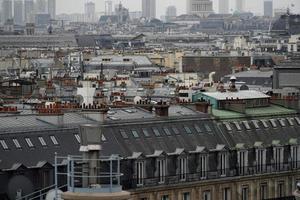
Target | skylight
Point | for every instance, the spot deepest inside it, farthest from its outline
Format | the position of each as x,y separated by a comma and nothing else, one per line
290,120
246,124
123,133
237,125
156,131
54,140
255,123
176,131
135,134
208,129
198,129
3,144
265,123
17,144
282,122
146,133
167,131
298,120
187,130
42,141
228,127
29,143
273,122
77,138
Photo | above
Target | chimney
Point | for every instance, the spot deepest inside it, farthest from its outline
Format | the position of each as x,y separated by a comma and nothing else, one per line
162,109
202,106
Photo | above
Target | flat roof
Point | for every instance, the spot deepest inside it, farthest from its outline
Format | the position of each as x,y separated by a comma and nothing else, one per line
243,94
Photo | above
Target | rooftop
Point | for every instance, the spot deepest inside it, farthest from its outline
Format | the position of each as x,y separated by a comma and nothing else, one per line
243,94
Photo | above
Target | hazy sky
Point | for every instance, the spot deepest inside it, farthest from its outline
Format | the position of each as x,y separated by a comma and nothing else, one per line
256,6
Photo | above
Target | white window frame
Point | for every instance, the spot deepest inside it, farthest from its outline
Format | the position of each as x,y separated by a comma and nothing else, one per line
140,173
182,168
17,144
29,143
54,140
162,168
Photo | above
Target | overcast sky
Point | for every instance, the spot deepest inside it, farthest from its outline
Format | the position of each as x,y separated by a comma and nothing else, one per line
256,6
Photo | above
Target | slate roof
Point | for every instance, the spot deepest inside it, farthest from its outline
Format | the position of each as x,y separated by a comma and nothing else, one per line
151,136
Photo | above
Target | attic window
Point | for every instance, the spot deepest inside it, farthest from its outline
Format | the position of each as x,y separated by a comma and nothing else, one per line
54,140
135,134
255,123
187,130
176,131
17,144
167,131
198,129
265,123
273,122
208,129
3,144
42,141
156,132
298,120
246,124
238,127
282,122
123,133
146,133
29,143
228,127
103,138
290,120
126,60
77,138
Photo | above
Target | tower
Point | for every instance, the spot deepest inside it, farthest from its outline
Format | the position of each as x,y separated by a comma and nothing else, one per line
108,7
149,8
29,11
202,8
41,6
268,8
52,8
240,5
223,6
18,12
6,10
171,12
89,11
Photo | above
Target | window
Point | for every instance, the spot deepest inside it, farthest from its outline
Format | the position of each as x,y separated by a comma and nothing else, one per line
282,122
290,120
146,133
226,194
295,156
123,134
208,129
176,131
203,166
182,168
187,130
298,120
17,144
165,197
278,157
264,191
228,127
77,138
237,125
103,138
135,134
245,193
54,140
140,173
198,129
246,124
156,132
255,123
242,161
186,196
29,143
260,160
42,141
161,170
223,164
265,123
206,195
273,122
3,144
280,189
167,131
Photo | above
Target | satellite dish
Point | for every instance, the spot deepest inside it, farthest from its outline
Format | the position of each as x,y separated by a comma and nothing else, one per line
79,99
51,195
137,99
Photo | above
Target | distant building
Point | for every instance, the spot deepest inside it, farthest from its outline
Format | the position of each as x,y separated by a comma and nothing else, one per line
7,10
42,19
149,8
108,7
18,12
89,12
28,11
202,8
171,12
287,24
268,8
52,8
122,14
240,6
223,6
41,6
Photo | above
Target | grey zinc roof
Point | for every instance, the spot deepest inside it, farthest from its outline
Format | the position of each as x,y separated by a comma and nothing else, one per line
247,94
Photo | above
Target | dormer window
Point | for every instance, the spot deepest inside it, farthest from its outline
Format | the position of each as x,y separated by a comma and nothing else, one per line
260,160
203,166
278,158
242,161
182,168
140,173
223,163
295,156
161,170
